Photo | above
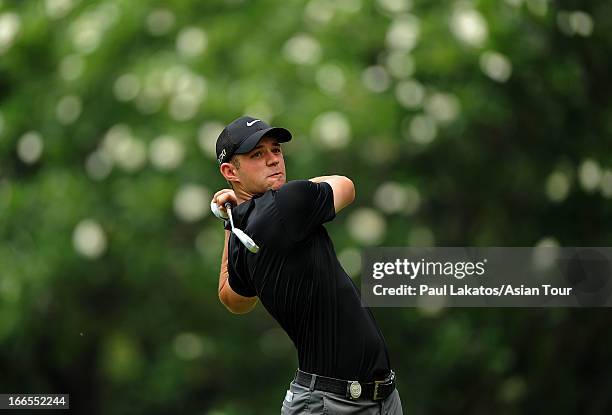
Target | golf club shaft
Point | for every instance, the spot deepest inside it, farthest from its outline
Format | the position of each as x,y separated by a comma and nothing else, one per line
228,207
243,237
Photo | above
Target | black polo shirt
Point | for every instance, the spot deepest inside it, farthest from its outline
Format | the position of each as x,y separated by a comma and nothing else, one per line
298,279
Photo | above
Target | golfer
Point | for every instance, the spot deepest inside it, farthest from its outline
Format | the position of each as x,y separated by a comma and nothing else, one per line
344,367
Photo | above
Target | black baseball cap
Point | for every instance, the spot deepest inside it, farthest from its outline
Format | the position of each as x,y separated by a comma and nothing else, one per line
243,134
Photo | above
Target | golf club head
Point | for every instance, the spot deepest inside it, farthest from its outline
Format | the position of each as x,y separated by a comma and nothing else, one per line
246,240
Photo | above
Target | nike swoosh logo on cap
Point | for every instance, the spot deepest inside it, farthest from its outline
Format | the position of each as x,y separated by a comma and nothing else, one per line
252,122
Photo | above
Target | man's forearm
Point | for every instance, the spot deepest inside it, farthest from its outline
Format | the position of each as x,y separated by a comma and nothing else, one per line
224,273
320,179
232,301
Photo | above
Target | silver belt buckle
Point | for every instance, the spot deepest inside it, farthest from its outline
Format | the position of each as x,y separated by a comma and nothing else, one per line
387,381
376,383
355,389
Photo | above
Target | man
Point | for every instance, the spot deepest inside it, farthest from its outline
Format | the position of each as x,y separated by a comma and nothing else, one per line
343,362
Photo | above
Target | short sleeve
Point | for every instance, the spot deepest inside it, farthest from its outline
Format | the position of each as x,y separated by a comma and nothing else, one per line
304,205
236,279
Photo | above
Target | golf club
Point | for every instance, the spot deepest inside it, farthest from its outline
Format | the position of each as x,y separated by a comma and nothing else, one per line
244,238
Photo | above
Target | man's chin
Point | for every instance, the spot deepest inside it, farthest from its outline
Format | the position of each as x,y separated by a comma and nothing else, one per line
277,183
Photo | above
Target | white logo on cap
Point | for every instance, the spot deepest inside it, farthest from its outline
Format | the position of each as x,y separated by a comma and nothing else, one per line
252,122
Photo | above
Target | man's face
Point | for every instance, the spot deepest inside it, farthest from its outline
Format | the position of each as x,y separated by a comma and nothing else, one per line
263,168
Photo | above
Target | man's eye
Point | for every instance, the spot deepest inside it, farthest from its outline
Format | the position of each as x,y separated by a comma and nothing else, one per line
256,154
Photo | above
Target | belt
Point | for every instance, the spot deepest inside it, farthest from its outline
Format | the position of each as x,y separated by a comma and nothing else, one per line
377,390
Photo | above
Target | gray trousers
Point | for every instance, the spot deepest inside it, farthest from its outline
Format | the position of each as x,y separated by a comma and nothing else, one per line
301,400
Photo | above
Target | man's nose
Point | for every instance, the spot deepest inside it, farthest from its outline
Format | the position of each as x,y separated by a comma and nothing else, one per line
272,158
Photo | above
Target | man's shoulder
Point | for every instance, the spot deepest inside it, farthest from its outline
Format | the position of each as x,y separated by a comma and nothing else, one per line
297,189
282,201
293,186
293,196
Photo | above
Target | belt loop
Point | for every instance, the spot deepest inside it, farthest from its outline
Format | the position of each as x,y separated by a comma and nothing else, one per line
313,379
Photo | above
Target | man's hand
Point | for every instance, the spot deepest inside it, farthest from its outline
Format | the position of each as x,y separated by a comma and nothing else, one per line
223,196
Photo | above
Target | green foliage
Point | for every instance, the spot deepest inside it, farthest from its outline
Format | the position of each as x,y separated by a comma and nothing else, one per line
461,123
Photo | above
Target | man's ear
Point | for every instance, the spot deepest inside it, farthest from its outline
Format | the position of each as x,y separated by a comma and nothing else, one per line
228,170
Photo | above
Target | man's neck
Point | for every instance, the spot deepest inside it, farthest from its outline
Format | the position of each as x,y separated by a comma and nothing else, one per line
242,195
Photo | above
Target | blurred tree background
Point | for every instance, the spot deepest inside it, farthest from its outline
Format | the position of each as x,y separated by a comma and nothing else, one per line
462,123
